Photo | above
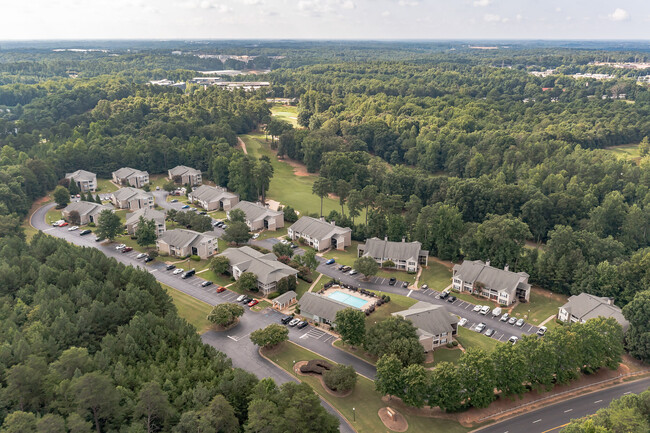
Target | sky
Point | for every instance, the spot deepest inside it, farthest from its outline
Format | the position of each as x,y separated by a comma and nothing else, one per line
325,19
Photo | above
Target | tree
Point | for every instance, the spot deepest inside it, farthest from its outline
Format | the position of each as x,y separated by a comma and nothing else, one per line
367,266
146,232
276,127
351,325
263,175
73,188
321,188
270,336
355,204
109,225
19,422
236,215
95,393
153,405
637,313
51,423
219,265
388,380
290,214
340,378
237,232
75,218
98,199
416,383
396,336
343,191
280,249
286,284
169,186
509,369
308,259
476,372
225,314
248,282
388,264
446,389
61,196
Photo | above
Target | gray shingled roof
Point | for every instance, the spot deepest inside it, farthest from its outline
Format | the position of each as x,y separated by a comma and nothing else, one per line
317,229
128,193
265,266
210,193
81,175
585,306
126,172
384,249
181,238
428,318
255,212
180,170
147,214
86,207
472,271
285,297
321,306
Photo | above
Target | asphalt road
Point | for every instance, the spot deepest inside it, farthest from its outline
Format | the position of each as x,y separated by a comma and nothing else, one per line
553,418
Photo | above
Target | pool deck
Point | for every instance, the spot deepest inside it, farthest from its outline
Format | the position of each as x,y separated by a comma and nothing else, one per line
370,301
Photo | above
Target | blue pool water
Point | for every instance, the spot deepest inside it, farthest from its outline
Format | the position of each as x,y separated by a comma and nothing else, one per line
352,301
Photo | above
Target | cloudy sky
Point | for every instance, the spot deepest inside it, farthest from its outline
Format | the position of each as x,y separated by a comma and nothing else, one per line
325,19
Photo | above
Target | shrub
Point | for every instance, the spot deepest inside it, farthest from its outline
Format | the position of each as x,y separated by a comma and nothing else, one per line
449,345
340,378
92,225
273,295
195,258
454,343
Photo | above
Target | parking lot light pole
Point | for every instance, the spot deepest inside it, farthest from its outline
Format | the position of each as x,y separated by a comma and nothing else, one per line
354,415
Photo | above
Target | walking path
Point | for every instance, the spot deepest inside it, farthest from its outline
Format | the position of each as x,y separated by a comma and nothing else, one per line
315,282
547,320
243,145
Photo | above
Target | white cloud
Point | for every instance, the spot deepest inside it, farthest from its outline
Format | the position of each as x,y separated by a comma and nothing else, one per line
482,3
348,5
491,18
206,4
619,15
519,17
408,3
385,14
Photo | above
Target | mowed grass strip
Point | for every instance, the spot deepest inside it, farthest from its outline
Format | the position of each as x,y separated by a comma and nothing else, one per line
363,398
469,339
190,309
436,276
287,113
543,304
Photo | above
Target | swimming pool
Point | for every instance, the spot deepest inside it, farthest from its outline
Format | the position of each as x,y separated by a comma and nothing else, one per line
352,301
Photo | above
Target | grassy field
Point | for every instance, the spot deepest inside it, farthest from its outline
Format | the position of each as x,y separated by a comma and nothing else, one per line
286,187
542,305
471,339
302,287
190,309
105,186
364,399
287,113
442,354
262,305
625,151
222,280
52,215
346,257
436,276
266,234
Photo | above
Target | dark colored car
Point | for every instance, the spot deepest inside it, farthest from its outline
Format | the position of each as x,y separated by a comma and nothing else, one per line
405,284
203,212
246,300
126,249
206,283
444,295
286,319
329,262
301,324
189,273
341,267
451,299
170,267
148,259
221,289
84,232
392,281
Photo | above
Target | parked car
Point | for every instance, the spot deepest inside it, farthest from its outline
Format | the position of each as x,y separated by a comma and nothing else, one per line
240,298
330,261
178,271
497,312
84,232
512,321
224,226
405,284
203,212
140,256
477,308
126,249
353,272
424,287
193,209
189,273
286,319
253,303
63,224
293,245
99,239
174,201
301,324
392,281
451,299
221,289
206,283
284,242
444,294
57,223
157,188
346,268
484,310
256,235
246,300
340,268
462,321
489,332
170,267
520,323
148,259
480,327
73,228
513,340
294,322
541,331
187,206
120,247
504,317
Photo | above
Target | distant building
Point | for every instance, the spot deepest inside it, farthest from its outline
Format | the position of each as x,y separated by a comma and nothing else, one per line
88,211
132,198
85,180
285,300
266,267
584,306
260,217
498,285
320,234
183,243
187,175
133,219
213,198
436,326
130,176
407,256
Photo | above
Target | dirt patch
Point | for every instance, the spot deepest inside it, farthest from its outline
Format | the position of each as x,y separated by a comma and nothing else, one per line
396,422
296,369
445,263
299,169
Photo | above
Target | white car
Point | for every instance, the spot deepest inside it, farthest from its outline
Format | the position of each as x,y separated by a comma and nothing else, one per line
141,255
480,327
353,272
505,317
241,298
484,310
178,271
541,331
73,228
513,340
57,223
462,322
294,322
477,308
284,242
120,247
256,235
520,323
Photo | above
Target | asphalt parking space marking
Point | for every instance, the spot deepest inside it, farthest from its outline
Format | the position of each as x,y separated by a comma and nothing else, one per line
530,328
409,293
47,230
313,333
468,305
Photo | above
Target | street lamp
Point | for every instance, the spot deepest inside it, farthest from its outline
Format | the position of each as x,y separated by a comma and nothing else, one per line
354,415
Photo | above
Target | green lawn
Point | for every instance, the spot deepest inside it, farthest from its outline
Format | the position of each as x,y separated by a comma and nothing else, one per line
190,309
267,234
262,305
303,286
222,280
542,305
218,214
436,276
364,399
346,257
105,186
287,113
442,354
473,339
394,273
321,283
52,215
625,151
